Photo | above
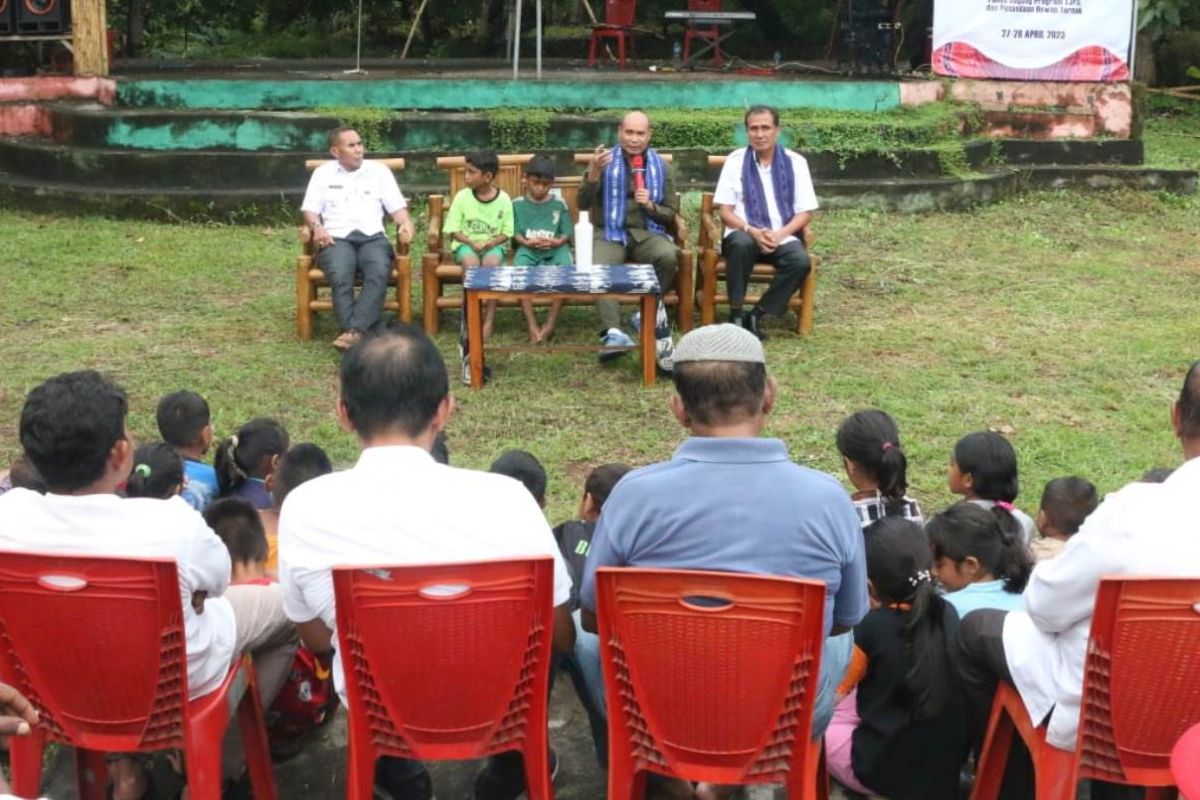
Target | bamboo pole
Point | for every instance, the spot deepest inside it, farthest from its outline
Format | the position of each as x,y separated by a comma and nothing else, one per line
89,37
413,29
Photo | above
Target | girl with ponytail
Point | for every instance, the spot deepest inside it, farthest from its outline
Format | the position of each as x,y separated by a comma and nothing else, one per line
901,731
877,466
980,557
246,461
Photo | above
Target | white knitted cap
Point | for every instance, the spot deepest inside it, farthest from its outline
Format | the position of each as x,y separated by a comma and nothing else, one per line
723,342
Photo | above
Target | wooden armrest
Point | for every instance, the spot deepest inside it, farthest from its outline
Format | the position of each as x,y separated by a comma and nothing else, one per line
808,237
402,248
711,232
681,232
433,235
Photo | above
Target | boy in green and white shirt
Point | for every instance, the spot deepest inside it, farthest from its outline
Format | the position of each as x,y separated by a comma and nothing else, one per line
480,221
543,236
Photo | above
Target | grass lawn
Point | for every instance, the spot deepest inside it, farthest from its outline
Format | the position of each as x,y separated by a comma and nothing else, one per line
1065,320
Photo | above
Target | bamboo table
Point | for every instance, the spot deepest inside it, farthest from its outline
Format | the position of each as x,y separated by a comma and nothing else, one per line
621,282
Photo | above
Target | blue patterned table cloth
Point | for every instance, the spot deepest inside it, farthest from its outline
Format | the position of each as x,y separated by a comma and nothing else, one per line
615,279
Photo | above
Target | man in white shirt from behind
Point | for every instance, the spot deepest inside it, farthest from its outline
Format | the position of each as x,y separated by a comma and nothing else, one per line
73,431
765,198
398,506
1142,529
344,207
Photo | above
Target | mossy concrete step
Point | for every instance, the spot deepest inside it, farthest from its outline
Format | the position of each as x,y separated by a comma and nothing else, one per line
1100,178
39,158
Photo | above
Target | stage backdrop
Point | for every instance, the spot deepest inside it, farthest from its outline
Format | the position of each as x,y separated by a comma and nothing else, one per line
1034,40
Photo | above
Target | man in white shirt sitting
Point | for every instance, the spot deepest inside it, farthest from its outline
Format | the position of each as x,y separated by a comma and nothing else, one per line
765,198
73,431
398,506
1142,529
344,207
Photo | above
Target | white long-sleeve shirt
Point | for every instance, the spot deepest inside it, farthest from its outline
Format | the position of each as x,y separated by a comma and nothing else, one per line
1143,529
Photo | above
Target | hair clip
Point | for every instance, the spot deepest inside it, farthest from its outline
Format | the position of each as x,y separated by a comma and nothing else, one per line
887,446
143,470
920,577
1007,506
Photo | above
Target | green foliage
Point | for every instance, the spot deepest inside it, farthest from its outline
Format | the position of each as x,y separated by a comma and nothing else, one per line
1177,56
1156,17
519,130
371,123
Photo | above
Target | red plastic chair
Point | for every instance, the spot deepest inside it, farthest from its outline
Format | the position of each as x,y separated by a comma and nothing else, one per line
1185,764
619,17
720,693
98,647
446,661
708,34
1140,693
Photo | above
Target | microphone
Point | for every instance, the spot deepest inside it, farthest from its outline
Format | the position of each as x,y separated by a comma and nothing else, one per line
638,164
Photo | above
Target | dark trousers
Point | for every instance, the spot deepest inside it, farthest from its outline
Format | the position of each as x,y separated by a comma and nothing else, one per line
791,264
357,254
655,250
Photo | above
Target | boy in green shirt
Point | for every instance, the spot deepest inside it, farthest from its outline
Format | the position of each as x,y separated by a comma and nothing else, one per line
543,236
480,221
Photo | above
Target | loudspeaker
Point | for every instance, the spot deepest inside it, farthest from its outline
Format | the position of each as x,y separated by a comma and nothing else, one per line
39,17
8,25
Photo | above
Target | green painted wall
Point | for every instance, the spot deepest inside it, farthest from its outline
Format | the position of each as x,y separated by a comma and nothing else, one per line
246,134
478,94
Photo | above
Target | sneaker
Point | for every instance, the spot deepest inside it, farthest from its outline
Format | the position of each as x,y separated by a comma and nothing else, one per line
614,337
503,778
754,325
665,354
635,321
466,370
662,327
401,779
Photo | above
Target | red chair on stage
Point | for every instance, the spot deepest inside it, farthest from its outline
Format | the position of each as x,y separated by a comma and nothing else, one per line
1140,694
446,661
710,677
710,33
1185,764
619,17
98,646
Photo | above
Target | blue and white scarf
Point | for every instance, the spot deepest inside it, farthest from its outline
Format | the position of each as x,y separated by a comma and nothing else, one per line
783,181
615,187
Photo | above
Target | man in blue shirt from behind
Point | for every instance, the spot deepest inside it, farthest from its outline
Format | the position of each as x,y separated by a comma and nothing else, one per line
731,500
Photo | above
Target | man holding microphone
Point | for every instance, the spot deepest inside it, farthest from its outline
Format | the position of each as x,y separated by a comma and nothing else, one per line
630,192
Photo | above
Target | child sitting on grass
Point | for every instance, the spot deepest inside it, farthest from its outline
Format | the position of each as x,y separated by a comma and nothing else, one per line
480,220
543,236
157,472
184,423
247,459
979,557
1066,503
877,467
900,731
302,463
983,469
305,698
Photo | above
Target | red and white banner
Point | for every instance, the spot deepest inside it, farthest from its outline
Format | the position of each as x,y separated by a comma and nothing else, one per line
1034,40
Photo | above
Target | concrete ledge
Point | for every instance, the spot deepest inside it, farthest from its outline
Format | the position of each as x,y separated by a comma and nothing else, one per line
57,88
1176,181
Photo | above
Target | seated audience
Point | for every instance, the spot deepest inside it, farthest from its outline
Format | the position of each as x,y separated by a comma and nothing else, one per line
184,423
157,472
398,506
17,718
1143,529
542,224
1066,503
574,540
983,470
480,221
877,467
979,562
300,680
246,461
750,508
73,429
901,732
524,467
301,463
22,475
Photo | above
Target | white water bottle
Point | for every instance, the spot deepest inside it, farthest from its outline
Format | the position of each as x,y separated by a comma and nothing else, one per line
583,242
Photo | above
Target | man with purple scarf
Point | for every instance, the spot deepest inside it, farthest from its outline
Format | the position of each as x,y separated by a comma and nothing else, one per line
633,203
765,198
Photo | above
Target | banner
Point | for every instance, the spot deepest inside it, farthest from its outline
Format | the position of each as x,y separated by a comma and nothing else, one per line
1034,40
